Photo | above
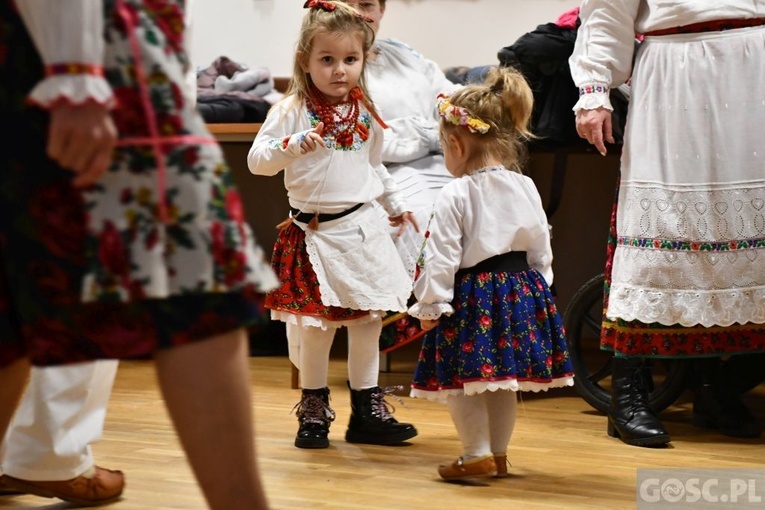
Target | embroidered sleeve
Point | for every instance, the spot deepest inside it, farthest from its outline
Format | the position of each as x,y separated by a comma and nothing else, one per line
68,35
434,288
602,56
274,146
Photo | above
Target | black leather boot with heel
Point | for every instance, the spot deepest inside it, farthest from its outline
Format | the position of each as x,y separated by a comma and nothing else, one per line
314,415
371,421
630,417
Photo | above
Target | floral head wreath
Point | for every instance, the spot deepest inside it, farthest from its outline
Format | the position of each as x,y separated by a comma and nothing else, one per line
459,116
329,7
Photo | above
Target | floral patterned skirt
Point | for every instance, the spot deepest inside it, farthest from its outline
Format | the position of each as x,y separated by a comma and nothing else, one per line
157,252
505,333
298,292
635,338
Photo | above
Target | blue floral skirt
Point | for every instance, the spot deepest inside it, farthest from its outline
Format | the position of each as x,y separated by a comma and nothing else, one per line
505,333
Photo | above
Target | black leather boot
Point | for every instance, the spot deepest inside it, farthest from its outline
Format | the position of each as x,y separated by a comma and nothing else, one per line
314,415
717,404
630,417
371,421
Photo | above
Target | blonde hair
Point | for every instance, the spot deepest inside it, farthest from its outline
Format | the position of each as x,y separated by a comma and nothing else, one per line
344,19
503,101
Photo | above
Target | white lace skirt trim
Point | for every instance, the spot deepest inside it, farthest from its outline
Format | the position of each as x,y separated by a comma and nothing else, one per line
691,213
474,388
318,322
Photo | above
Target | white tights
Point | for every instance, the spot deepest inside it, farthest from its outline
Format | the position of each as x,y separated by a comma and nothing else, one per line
484,421
363,354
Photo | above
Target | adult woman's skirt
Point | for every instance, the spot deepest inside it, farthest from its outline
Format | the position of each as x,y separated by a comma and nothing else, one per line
157,253
505,333
687,271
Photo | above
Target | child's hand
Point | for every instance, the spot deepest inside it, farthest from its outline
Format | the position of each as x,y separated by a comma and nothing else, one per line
427,324
401,221
313,140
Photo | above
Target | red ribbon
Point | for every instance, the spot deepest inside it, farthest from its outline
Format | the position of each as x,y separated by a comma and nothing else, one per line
319,4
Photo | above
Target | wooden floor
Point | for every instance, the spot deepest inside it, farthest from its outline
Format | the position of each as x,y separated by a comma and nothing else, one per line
561,456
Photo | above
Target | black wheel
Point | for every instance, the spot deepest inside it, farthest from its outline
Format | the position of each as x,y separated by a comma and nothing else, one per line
592,366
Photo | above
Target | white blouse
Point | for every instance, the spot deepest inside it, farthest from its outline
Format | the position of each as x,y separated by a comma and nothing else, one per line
67,32
486,213
404,86
606,40
327,180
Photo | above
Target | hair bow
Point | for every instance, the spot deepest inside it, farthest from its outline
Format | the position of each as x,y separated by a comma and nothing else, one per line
319,4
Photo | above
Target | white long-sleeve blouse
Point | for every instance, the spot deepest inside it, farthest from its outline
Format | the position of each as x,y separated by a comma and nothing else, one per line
480,215
69,36
404,86
602,56
327,180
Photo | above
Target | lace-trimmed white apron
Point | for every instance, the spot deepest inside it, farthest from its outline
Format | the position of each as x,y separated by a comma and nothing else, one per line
356,263
691,213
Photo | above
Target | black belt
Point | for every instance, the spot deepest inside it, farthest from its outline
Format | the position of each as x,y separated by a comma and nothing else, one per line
305,217
510,262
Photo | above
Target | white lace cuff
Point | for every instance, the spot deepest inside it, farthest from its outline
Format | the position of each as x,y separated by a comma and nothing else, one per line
593,101
72,88
430,311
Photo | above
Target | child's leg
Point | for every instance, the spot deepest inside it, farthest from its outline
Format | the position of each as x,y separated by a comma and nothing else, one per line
502,407
313,411
371,421
293,343
471,418
364,355
315,344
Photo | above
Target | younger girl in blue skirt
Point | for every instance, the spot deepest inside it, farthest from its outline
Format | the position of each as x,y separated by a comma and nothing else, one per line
483,291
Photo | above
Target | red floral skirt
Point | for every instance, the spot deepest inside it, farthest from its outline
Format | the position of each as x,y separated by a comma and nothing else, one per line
298,290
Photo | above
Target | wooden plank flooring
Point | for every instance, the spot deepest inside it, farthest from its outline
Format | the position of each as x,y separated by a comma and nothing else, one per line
561,456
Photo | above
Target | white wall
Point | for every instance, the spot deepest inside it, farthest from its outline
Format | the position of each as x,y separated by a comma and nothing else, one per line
450,32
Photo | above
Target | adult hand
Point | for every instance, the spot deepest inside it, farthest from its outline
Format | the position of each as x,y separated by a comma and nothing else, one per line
401,220
595,127
427,324
81,138
313,140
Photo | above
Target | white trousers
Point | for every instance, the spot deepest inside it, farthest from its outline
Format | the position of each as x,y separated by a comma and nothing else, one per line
61,413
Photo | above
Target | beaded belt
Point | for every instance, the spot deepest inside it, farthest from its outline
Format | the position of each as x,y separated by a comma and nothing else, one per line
510,262
305,217
709,26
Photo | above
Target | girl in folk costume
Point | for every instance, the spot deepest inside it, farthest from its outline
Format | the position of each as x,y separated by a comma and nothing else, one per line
337,265
483,293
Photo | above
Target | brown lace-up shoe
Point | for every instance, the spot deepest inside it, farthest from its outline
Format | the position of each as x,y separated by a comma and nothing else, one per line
460,470
502,463
104,487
